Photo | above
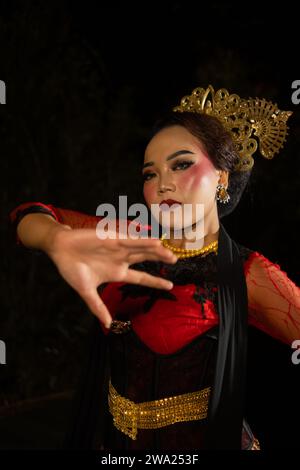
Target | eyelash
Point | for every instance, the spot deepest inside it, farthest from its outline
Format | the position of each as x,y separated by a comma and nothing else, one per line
187,164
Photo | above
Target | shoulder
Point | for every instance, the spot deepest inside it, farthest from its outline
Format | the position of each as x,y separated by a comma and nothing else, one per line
245,252
247,255
257,266
255,260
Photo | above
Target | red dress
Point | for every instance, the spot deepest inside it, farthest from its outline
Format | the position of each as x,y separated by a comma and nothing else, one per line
166,326
172,332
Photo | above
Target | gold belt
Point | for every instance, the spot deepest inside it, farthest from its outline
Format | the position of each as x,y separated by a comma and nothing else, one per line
128,416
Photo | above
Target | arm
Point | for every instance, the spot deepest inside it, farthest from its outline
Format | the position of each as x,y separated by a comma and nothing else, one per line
37,231
73,219
85,261
273,299
70,218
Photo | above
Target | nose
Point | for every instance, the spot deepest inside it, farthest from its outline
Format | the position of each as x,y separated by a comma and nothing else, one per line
165,185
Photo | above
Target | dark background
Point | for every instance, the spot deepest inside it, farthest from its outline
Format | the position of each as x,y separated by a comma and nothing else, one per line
85,82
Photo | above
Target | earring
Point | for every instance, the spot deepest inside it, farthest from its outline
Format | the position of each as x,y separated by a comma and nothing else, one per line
222,194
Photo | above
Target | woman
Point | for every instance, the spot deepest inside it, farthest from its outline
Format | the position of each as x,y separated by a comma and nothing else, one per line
166,368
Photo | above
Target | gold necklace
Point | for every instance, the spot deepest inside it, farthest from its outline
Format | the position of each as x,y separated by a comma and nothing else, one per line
188,253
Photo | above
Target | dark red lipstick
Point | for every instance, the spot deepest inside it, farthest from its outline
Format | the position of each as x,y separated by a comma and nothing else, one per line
169,202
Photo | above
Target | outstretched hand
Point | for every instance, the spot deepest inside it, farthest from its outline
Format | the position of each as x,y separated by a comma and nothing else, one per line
86,262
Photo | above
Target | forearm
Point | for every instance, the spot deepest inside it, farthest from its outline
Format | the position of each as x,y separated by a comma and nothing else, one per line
72,218
37,231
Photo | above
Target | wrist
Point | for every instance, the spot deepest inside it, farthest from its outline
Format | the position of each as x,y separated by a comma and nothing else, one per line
52,238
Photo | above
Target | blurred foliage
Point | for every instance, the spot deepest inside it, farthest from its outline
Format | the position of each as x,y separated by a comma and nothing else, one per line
83,88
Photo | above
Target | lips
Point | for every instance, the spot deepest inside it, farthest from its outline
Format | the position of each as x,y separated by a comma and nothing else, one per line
170,202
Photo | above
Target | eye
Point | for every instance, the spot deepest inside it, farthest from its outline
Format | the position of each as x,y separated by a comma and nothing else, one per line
182,165
148,176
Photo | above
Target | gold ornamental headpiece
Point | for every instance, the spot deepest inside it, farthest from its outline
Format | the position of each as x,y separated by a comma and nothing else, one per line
251,122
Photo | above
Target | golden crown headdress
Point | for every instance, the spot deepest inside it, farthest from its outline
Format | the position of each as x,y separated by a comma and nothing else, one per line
249,121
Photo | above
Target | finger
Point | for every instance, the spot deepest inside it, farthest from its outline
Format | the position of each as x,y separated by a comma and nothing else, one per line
157,249
130,246
140,257
133,246
140,242
97,306
145,279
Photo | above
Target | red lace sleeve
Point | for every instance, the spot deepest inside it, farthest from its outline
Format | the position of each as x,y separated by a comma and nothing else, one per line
273,299
75,219
64,216
69,217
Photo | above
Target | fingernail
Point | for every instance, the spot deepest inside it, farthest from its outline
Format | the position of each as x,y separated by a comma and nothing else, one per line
170,285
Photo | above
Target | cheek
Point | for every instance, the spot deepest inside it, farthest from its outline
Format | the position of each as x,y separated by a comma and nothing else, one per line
149,192
202,176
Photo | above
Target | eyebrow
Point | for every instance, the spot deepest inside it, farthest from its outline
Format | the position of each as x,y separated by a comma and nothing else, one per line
170,157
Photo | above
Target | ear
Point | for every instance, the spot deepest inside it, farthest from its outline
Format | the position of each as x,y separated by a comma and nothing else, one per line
223,178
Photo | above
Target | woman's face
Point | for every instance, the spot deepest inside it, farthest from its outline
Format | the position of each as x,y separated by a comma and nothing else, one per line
176,168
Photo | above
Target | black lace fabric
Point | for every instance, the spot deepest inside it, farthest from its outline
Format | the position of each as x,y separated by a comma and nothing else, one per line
201,271
190,270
